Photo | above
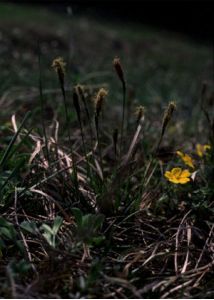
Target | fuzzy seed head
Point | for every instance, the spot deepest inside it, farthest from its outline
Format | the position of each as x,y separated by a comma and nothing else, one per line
80,89
169,111
139,112
168,115
81,92
119,69
99,99
59,65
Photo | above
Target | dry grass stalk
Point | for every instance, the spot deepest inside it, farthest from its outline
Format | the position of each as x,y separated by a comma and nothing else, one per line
166,119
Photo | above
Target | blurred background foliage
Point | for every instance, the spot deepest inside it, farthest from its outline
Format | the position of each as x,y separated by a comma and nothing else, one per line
161,65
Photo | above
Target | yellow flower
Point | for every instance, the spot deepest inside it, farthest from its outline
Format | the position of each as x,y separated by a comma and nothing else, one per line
177,175
201,149
186,159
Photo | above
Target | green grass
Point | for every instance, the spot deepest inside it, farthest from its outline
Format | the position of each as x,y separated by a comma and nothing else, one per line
121,228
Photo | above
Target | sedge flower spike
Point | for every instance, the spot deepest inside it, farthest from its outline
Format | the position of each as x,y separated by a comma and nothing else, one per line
139,112
178,176
99,99
167,116
201,149
119,69
58,65
186,159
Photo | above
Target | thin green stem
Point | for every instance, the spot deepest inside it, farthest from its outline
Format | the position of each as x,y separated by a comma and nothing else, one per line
123,117
76,183
42,104
98,142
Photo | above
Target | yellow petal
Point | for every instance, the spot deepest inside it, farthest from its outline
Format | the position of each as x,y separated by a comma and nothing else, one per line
199,150
188,161
179,153
187,157
190,164
184,180
207,147
174,180
168,174
185,173
176,171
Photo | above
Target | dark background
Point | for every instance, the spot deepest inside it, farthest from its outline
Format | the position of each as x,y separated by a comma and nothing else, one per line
193,18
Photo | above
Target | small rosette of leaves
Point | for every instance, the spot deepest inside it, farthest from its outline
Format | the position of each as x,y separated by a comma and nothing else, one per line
88,227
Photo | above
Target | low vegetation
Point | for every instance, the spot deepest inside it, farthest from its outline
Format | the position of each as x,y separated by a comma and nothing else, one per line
98,202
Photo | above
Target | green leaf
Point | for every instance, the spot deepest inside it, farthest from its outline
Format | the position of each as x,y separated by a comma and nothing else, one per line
78,216
47,229
20,246
99,219
12,142
87,221
12,174
7,233
57,223
21,267
29,226
2,244
4,223
48,238
98,240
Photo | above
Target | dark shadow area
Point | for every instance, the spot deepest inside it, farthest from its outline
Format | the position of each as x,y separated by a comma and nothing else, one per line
192,18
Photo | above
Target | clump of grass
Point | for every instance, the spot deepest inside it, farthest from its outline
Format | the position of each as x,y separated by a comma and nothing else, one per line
131,226
80,90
